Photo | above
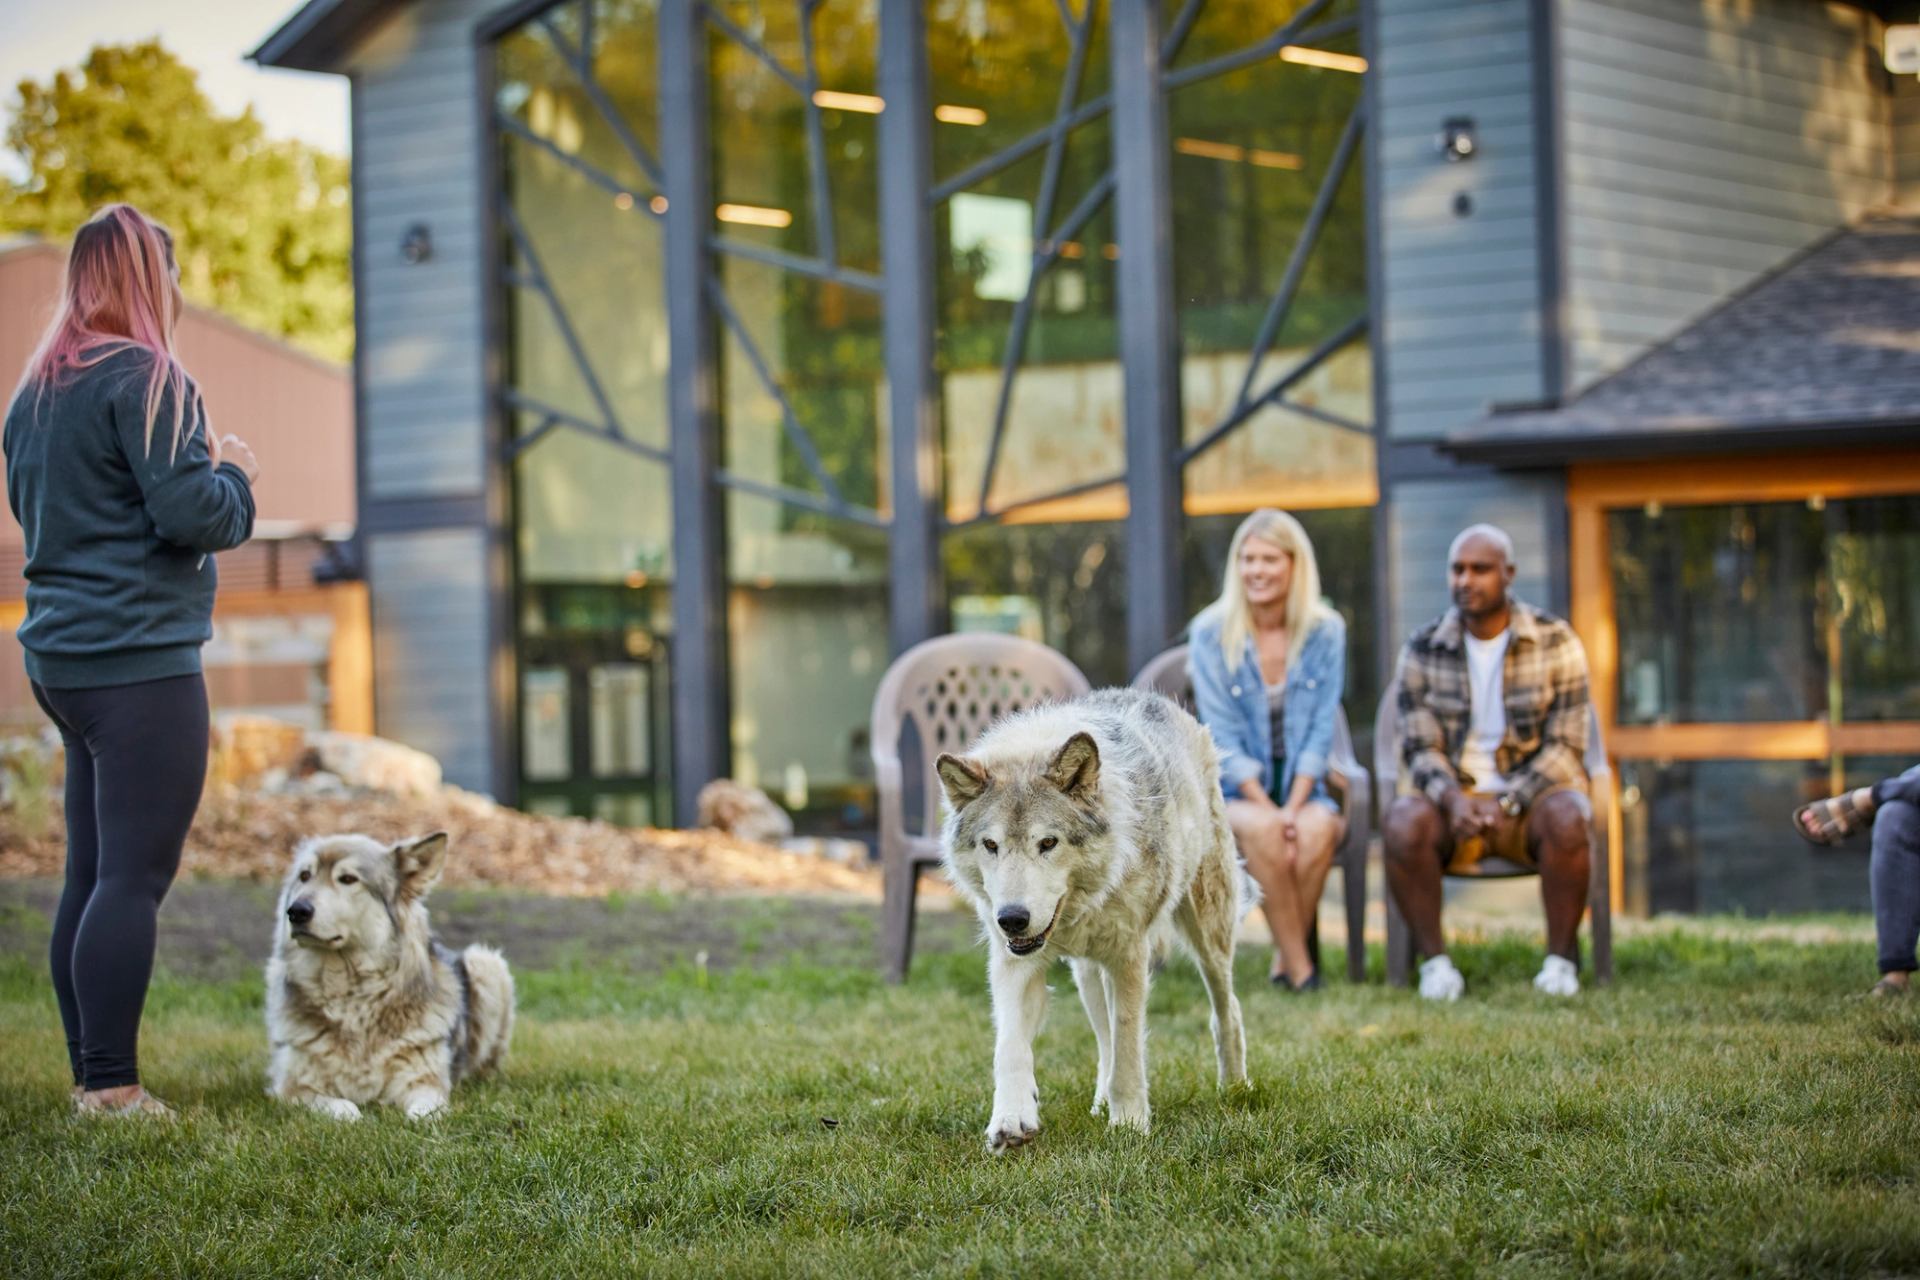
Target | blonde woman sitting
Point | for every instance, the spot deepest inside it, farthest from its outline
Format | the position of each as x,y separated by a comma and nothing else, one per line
1268,661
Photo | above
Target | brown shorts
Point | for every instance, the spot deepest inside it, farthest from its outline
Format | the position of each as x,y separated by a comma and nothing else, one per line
1511,838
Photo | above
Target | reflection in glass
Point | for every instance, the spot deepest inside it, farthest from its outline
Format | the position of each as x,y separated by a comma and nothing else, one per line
617,693
1063,585
802,377
807,621
820,344
1027,348
546,748
1252,150
1874,559
593,520
1711,836
1719,613
764,172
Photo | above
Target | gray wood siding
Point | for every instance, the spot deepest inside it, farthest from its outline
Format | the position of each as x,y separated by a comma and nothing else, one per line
1427,514
1705,144
1460,295
417,156
429,598
1906,140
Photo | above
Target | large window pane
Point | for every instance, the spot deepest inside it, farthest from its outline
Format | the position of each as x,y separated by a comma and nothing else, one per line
1260,289
1875,561
1032,393
807,621
585,360
1060,584
802,380
1719,610
1712,836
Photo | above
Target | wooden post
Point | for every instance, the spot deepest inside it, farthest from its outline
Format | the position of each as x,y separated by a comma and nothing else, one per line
350,660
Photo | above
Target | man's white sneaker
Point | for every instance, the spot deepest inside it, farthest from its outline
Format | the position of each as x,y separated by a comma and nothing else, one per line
1558,977
1439,980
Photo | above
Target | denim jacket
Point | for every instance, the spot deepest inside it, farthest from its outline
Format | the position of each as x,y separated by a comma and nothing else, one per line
1233,705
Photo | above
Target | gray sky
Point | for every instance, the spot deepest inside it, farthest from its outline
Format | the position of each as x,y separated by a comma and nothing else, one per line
211,36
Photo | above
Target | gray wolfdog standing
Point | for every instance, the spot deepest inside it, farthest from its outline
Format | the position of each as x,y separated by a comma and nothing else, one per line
1095,830
363,1003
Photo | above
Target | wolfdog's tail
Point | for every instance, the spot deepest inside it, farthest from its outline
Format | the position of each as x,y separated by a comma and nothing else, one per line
490,1017
1249,888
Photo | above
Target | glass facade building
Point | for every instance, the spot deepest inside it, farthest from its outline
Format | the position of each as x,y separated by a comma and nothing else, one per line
759,340
1249,222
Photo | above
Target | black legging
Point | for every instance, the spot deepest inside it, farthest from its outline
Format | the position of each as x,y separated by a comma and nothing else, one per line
136,761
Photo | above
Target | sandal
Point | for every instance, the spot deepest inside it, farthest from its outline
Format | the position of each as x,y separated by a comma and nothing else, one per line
1886,988
141,1104
1835,819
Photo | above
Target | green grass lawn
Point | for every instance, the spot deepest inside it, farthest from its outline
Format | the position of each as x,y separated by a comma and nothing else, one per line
1730,1108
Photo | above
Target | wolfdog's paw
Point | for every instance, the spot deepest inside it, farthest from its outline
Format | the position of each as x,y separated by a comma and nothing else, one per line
1131,1114
336,1108
423,1106
1010,1130
1100,1103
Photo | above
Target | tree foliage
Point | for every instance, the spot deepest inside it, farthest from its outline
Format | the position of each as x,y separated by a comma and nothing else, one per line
262,225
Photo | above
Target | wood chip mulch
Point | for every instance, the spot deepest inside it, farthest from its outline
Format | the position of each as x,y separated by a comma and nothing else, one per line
251,834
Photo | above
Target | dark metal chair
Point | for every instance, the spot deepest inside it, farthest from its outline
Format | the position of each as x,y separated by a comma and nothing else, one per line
1386,767
1347,780
949,689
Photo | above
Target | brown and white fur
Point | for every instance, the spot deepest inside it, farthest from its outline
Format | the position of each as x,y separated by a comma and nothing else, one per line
364,1005
1094,830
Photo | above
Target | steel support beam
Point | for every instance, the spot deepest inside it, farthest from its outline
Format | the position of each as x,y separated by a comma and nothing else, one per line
917,596
1149,332
701,706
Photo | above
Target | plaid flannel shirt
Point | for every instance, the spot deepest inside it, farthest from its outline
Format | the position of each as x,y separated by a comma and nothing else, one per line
1544,692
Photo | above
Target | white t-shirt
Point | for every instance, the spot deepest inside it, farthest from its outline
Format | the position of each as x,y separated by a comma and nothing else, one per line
1486,680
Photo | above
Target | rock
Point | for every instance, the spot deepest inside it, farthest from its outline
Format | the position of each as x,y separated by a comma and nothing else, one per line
247,747
375,763
746,813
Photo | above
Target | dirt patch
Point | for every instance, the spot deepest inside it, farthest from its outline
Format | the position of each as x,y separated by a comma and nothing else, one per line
221,930
250,834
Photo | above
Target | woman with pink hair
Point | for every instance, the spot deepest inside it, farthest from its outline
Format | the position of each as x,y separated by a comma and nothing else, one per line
123,495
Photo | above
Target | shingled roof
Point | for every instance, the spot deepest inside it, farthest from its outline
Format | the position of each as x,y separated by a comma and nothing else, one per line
1824,350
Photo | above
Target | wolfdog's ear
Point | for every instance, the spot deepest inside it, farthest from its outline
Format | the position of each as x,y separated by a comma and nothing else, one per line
963,780
419,863
1075,767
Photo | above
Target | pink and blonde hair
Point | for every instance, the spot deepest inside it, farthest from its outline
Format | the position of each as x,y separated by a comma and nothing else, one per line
118,293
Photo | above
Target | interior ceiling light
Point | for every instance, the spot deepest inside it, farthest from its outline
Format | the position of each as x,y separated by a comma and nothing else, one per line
1307,57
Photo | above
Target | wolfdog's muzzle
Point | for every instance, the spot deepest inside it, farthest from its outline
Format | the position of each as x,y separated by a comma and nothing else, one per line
1034,941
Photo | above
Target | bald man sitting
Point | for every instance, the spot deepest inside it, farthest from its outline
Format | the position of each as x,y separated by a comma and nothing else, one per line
1493,722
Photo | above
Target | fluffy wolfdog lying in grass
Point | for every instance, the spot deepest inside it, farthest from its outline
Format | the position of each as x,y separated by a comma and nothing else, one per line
1094,830
363,1004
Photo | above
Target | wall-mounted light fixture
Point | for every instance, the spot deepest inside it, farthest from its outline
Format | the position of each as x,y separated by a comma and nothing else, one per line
1456,140
416,246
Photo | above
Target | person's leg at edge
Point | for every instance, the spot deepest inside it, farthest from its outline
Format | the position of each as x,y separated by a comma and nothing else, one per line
149,745
1319,827
1559,831
1902,786
1894,874
1415,837
1256,829
83,858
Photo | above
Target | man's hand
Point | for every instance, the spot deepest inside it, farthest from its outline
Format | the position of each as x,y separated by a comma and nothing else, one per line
1471,815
